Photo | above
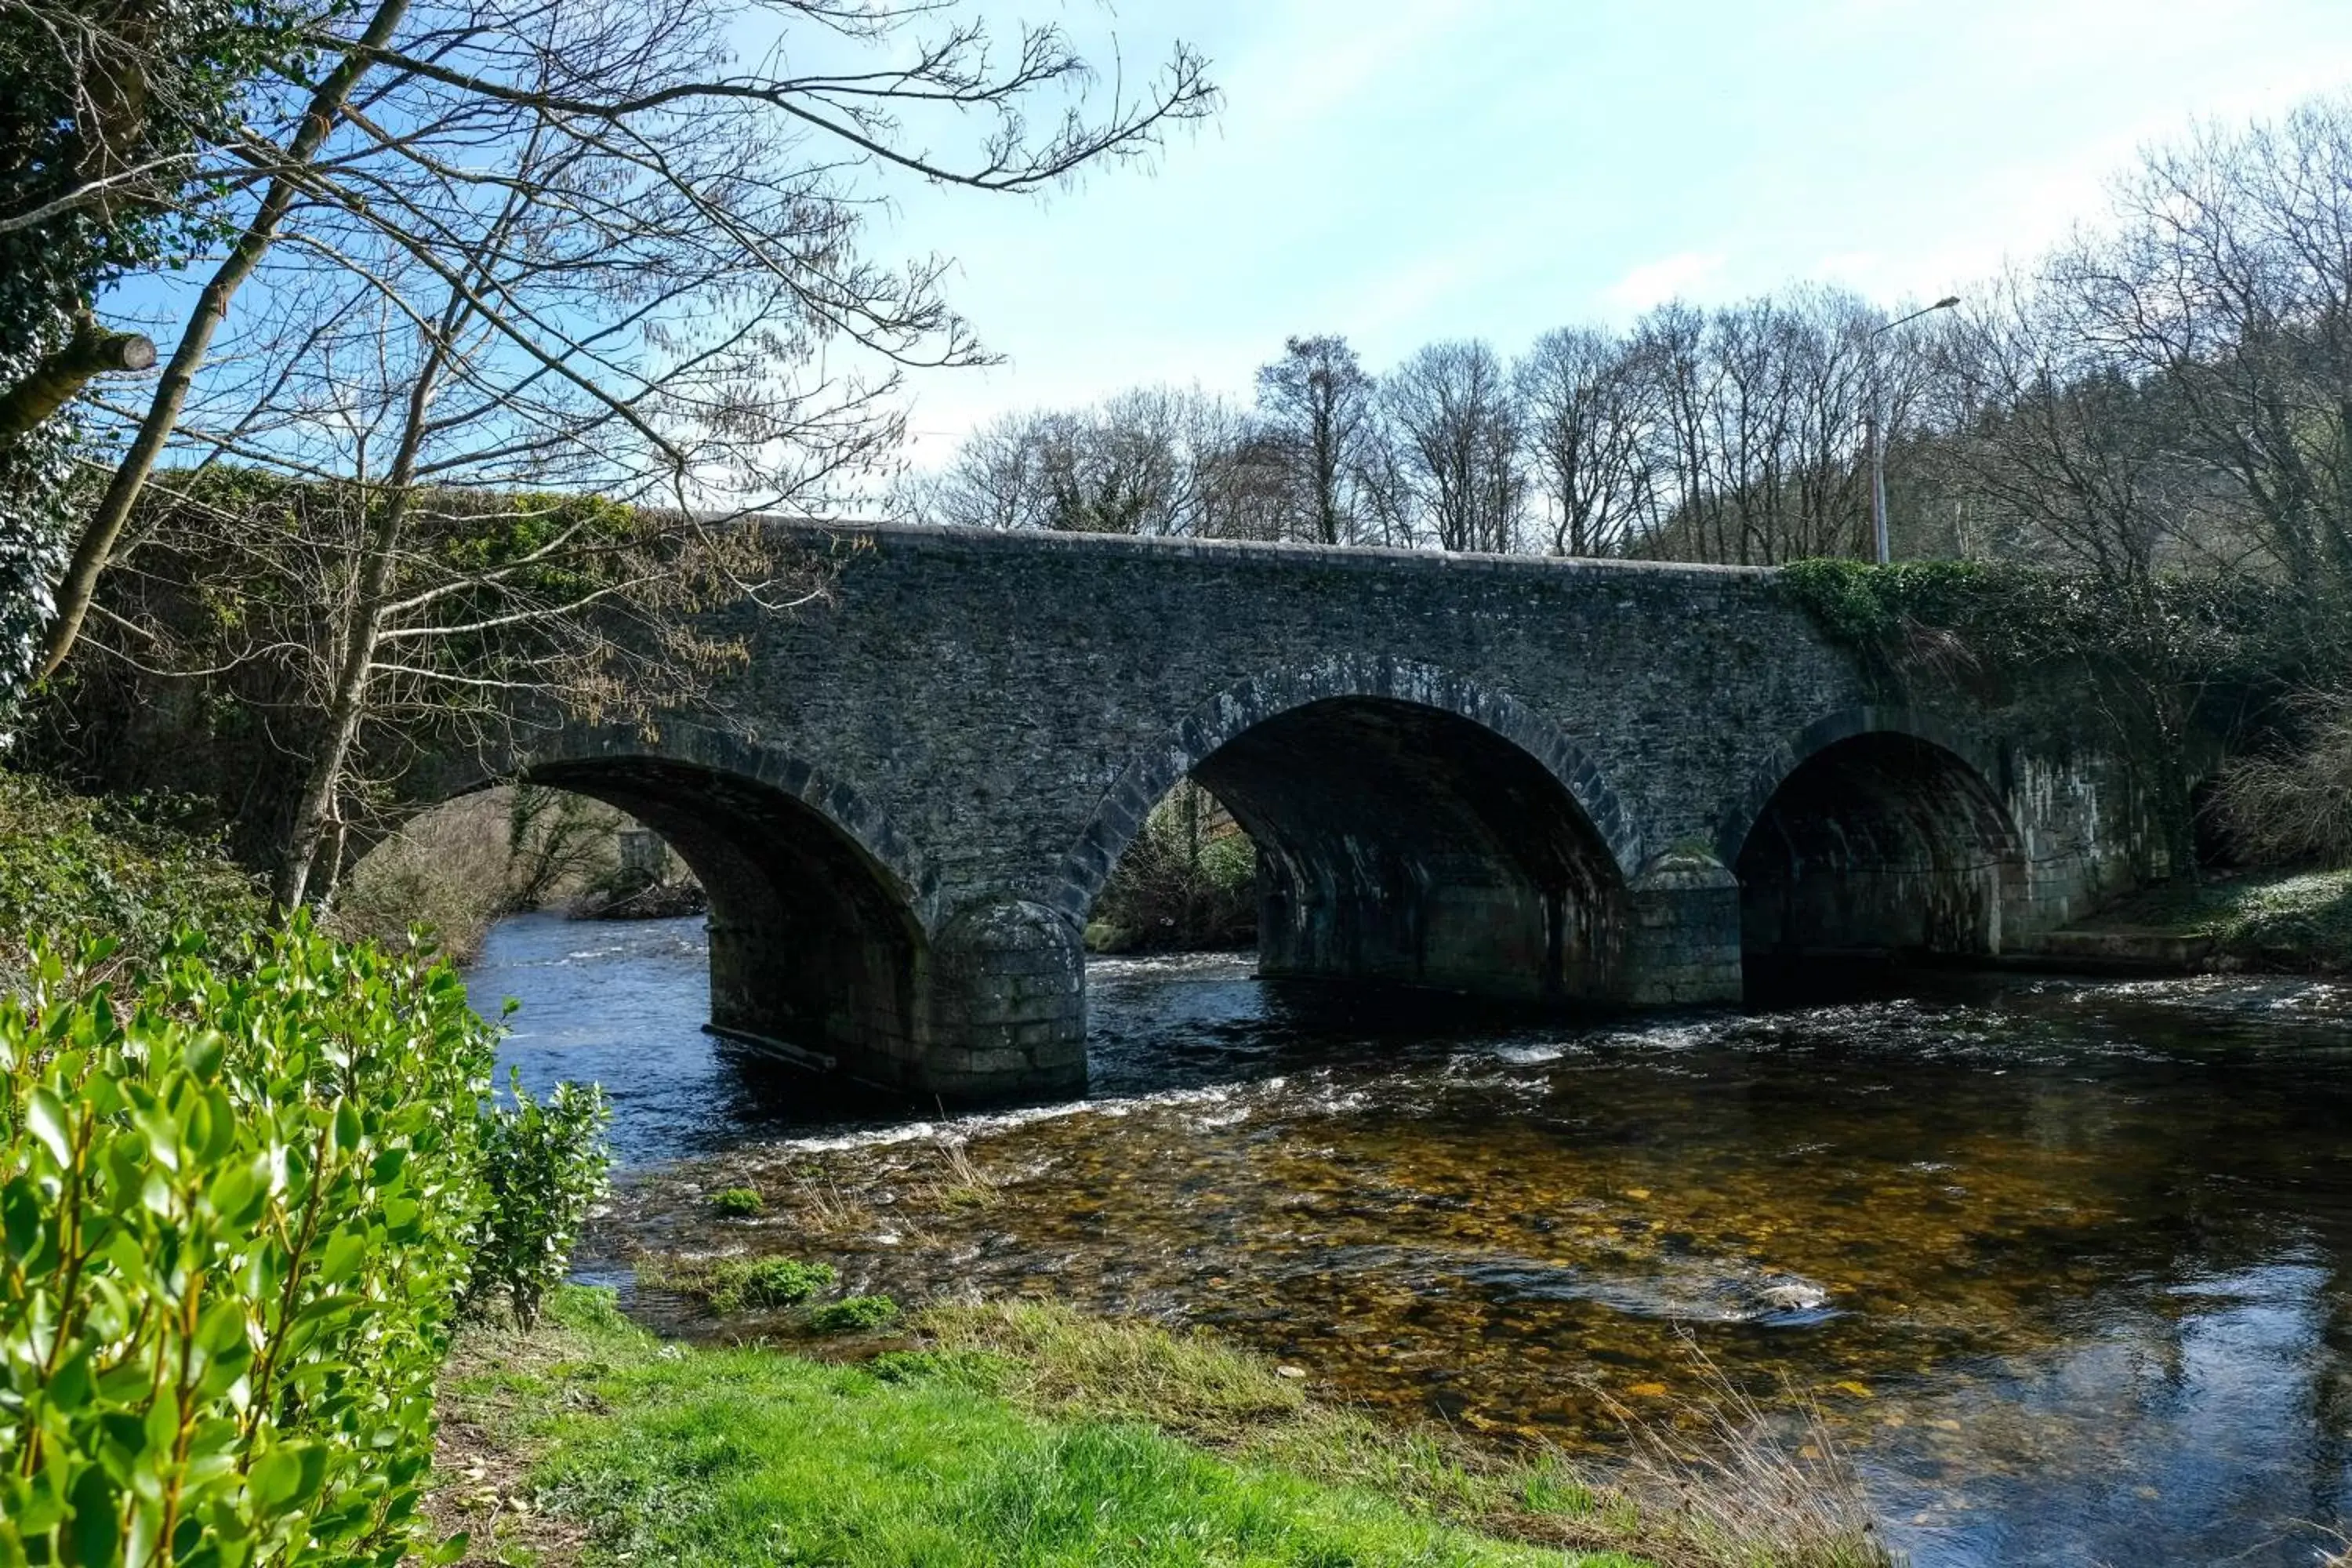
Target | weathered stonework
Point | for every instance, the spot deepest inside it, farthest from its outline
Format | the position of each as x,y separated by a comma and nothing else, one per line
1684,936
1556,782
1010,1003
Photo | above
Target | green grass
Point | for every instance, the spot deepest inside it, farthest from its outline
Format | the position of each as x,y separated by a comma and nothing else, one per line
1068,1365
854,1315
2294,919
653,1453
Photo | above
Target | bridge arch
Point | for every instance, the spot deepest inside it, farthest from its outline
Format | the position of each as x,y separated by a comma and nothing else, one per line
820,947
1412,827
1877,830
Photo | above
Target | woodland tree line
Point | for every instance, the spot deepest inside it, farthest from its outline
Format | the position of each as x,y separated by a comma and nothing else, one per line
2153,424
2170,390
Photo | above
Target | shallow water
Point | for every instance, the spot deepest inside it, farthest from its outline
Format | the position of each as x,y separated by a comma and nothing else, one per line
2068,1266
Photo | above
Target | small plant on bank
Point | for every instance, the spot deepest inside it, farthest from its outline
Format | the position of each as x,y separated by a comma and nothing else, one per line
544,1165
855,1315
738,1202
1549,1487
740,1284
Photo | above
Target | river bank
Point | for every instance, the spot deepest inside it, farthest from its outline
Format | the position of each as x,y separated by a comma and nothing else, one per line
1035,1435
2081,1249
2270,921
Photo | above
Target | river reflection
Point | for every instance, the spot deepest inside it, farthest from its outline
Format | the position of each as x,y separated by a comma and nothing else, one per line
2069,1265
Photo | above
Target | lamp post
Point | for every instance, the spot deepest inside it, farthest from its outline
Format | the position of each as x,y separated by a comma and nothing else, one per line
1875,425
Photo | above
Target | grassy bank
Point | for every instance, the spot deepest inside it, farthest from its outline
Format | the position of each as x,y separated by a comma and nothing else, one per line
1012,1434
2295,922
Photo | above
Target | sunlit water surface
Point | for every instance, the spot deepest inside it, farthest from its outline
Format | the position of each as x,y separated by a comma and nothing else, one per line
2067,1265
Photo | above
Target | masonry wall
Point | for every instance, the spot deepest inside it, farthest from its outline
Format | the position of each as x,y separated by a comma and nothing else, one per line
990,692
913,787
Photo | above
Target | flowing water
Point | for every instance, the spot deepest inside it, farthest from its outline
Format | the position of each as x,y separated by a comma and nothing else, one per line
2067,1265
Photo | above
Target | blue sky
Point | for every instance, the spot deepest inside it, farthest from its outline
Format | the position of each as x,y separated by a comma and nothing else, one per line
1399,171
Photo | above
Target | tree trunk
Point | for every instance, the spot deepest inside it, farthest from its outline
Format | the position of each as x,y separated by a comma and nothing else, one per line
91,351
96,545
314,809
347,707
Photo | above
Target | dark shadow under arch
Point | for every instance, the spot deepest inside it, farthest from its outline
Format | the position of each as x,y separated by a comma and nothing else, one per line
1411,829
819,947
1875,843
1156,769
812,945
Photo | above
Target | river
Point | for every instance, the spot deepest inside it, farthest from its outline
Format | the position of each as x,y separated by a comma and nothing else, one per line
2066,1265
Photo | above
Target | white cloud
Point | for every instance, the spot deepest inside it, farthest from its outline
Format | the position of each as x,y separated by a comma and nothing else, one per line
1655,282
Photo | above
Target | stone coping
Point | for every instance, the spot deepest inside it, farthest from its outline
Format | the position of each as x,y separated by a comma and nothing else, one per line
1254,552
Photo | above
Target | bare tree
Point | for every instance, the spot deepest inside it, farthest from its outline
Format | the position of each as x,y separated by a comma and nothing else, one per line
1315,404
411,96
1751,421
1668,355
994,480
2052,446
1152,461
1457,430
1388,499
1587,430
2228,284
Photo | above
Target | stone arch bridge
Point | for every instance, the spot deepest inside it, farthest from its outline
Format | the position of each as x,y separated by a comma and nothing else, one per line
1554,782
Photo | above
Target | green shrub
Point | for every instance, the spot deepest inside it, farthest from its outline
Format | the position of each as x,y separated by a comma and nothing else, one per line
738,1202
854,1314
543,1166
1187,880
237,1209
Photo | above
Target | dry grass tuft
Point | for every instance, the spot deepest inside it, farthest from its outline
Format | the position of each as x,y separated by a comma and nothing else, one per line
1747,1492
967,1184
2297,803
819,1207
444,869
1066,1363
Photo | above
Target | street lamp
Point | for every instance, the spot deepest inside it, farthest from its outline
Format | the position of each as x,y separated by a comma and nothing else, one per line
1877,443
